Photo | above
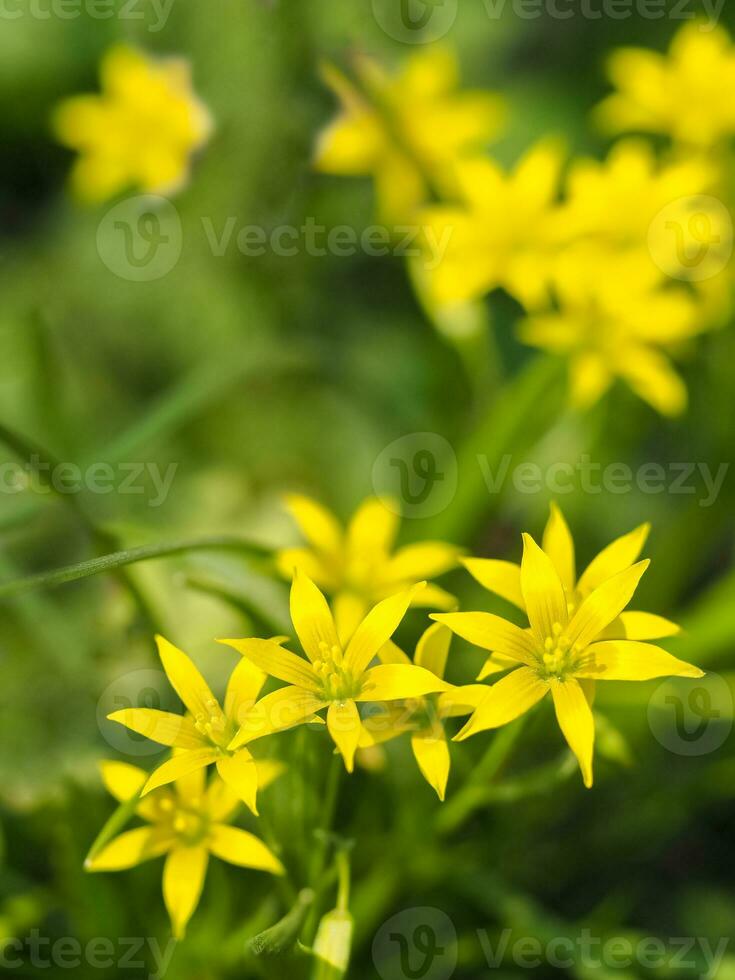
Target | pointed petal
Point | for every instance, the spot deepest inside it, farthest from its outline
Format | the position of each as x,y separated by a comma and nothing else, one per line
179,765
390,653
432,755
415,562
271,658
345,727
121,779
511,697
643,626
432,649
492,633
190,788
496,665
243,688
546,603
373,528
391,682
268,771
187,681
616,557
631,660
129,849
161,726
349,611
277,712
183,879
604,605
241,775
320,527
377,628
462,700
576,722
311,617
220,802
243,849
309,563
388,722
559,546
432,597
501,577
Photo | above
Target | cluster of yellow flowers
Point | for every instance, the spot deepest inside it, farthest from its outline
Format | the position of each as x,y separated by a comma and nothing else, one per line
616,263
578,633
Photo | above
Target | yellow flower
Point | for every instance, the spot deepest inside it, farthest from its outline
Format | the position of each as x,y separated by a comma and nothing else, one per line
334,676
186,823
355,565
504,579
686,94
406,131
565,648
424,717
202,737
501,234
140,132
614,321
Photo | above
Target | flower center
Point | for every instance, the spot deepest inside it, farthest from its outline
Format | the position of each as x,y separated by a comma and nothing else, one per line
190,826
338,684
213,724
558,654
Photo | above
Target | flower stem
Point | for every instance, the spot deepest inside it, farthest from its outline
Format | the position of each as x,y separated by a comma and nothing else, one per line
323,828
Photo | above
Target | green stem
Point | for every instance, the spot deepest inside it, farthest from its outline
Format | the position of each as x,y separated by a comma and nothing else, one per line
324,826
119,559
472,795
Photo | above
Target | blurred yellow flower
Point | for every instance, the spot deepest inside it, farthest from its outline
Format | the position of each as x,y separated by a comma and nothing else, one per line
407,130
424,717
504,579
564,648
186,823
334,676
686,94
614,321
501,234
202,737
139,133
355,565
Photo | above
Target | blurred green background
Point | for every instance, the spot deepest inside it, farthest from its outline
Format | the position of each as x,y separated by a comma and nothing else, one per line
257,376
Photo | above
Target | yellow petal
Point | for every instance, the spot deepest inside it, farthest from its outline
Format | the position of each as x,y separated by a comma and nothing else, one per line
496,665
308,562
618,555
559,546
461,700
183,879
320,528
343,722
432,649
652,377
270,657
631,660
576,722
241,775
386,722
268,771
511,697
160,726
187,681
246,850
390,653
121,779
644,626
277,712
179,765
432,755
432,597
349,145
220,802
129,849
491,632
373,529
312,619
377,628
546,603
419,561
501,577
389,682
603,605
243,688
349,611
190,787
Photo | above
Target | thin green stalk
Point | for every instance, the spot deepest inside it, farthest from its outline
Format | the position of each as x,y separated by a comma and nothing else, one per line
461,806
323,829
